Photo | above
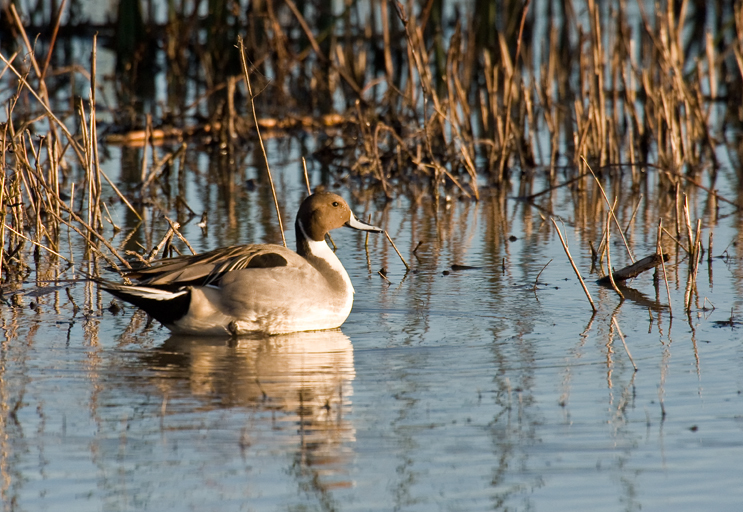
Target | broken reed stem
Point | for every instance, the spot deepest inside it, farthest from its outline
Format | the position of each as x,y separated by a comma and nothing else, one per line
536,281
174,226
246,75
621,337
575,268
407,267
384,277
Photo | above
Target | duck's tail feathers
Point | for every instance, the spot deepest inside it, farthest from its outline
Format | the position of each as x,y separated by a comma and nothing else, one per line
165,306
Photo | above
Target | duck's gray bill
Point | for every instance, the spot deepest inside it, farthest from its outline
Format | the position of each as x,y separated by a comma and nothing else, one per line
355,223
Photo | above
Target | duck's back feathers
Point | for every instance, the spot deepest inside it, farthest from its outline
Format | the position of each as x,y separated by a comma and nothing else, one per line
210,267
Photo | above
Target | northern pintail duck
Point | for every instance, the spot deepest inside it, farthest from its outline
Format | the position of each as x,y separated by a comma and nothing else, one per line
261,288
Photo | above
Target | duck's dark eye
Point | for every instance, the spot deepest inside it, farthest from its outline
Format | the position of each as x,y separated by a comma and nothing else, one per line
335,204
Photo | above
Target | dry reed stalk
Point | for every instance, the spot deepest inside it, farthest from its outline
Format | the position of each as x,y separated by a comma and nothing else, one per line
366,242
596,83
2,73
93,247
416,48
695,256
621,337
89,229
608,251
43,95
162,243
679,243
407,267
72,141
119,194
147,140
611,210
31,54
110,219
95,163
316,47
659,250
690,237
306,177
509,95
457,97
385,17
378,161
157,167
246,75
53,39
634,213
88,191
34,242
53,175
22,161
2,208
572,263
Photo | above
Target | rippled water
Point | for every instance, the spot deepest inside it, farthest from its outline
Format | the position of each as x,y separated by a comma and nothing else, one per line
444,390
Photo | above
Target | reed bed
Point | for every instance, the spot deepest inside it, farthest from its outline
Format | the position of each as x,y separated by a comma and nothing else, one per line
426,100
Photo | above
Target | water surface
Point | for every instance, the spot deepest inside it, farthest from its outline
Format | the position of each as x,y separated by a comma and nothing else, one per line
445,389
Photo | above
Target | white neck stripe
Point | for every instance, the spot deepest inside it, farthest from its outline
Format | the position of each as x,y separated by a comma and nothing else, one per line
301,228
320,249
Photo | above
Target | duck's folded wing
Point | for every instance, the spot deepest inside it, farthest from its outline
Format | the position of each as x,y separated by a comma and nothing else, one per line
209,267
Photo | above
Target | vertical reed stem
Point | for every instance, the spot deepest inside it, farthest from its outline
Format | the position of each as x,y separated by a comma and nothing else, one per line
258,131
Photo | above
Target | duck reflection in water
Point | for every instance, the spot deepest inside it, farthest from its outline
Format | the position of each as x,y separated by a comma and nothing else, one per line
303,379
